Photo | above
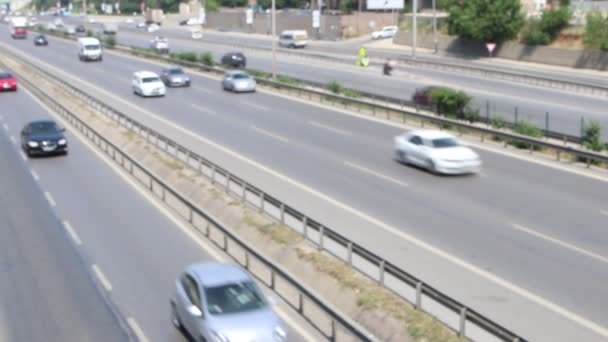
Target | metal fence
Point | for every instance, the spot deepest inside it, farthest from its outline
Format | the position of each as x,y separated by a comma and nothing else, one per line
462,319
334,326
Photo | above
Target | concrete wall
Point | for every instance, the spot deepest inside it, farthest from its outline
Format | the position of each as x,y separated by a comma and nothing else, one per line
587,59
364,23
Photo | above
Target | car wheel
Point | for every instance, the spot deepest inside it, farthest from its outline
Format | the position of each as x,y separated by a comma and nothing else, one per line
402,157
431,166
175,318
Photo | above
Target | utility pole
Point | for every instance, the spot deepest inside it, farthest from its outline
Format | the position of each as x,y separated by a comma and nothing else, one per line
435,26
414,25
274,41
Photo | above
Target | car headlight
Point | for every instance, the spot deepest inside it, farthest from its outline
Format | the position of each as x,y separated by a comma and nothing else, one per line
32,143
217,337
62,142
279,334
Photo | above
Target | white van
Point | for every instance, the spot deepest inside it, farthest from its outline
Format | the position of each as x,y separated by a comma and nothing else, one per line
89,49
293,39
146,83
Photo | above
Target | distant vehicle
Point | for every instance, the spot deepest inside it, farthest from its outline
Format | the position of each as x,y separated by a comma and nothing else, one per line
70,30
51,26
146,83
89,49
437,151
81,29
141,25
221,302
422,96
234,59
175,77
153,28
109,28
31,22
160,44
42,138
238,81
191,21
92,20
41,40
385,32
58,22
129,21
7,81
19,27
154,16
196,34
294,39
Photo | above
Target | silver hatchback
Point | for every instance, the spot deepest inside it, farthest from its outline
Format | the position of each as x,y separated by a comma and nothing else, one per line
218,302
238,81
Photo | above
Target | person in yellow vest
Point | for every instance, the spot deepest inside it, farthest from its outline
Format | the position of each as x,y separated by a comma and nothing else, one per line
363,59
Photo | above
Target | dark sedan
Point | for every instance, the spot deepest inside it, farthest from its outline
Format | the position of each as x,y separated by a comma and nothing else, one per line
43,137
234,59
80,29
41,40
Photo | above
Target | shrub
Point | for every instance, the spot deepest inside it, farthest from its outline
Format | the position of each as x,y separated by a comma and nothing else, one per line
351,93
592,137
596,31
110,41
207,58
450,103
184,56
553,21
526,128
534,36
499,122
259,74
287,80
335,87
89,33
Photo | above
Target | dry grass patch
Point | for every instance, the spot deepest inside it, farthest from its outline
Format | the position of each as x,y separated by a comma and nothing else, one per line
276,232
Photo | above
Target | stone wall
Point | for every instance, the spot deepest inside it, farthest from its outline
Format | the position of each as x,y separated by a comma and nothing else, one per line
587,59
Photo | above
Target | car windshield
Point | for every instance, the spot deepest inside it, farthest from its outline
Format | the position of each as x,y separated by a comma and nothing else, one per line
234,298
240,76
176,71
44,127
5,75
444,142
91,47
150,79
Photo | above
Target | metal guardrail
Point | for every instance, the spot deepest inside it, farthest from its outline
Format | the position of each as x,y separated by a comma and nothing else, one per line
205,224
423,296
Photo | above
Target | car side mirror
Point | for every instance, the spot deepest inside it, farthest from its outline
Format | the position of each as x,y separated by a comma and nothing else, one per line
194,311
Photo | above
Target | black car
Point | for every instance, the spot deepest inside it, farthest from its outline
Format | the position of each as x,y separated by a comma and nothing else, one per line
234,59
80,29
43,137
40,40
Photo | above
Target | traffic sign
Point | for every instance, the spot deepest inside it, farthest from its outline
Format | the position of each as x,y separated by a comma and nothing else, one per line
490,47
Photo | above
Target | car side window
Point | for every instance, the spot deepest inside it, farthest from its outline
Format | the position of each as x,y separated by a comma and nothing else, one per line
191,289
416,140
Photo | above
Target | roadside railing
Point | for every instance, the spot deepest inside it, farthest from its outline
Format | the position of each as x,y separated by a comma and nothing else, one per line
335,326
462,319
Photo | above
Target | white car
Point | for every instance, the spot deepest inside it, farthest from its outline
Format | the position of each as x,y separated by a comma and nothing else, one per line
196,34
129,21
58,22
238,81
194,21
92,21
147,83
141,24
437,151
385,32
160,44
153,28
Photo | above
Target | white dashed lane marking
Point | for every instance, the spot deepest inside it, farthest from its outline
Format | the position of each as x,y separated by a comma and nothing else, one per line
72,233
102,278
50,199
35,175
376,174
329,128
270,134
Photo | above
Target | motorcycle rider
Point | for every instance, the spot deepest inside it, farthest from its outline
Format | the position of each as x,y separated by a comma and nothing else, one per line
388,67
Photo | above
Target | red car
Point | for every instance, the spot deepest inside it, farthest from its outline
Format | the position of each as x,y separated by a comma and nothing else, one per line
7,81
422,96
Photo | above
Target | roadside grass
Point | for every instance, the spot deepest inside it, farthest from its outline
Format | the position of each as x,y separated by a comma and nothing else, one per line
276,232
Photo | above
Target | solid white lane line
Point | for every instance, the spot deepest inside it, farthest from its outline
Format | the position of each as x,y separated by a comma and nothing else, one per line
376,174
72,233
270,134
561,243
203,109
50,199
141,337
23,156
102,278
254,105
5,126
13,140
604,212
303,333
568,314
35,175
329,128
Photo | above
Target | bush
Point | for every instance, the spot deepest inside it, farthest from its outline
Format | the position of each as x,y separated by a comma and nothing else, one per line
596,31
334,87
207,58
351,93
110,41
526,128
184,56
450,103
533,36
287,80
499,122
259,74
89,33
553,21
592,137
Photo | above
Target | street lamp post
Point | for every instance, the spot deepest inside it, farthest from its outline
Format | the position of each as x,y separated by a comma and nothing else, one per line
435,26
414,25
274,41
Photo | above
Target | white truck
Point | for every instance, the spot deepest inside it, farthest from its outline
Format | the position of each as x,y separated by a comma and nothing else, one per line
89,49
19,27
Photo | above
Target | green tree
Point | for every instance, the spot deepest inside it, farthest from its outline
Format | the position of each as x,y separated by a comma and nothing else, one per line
485,20
592,136
596,31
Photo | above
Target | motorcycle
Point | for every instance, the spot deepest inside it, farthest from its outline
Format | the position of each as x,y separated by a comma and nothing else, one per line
388,67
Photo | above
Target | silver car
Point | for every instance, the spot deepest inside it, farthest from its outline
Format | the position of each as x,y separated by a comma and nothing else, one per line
221,302
238,81
175,77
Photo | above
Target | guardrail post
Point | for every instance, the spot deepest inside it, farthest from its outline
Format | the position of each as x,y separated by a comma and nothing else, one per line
225,244
262,202
333,330
321,235
381,272
272,280
227,189
162,193
305,226
208,229
546,124
463,319
246,260
349,253
244,194
190,215
300,303
418,304
516,115
213,174
582,126
488,110
282,213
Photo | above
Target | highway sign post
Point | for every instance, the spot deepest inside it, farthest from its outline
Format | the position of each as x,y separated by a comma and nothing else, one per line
490,47
249,18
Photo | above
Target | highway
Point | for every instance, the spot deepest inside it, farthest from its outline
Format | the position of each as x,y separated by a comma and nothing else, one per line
322,162
494,98
138,246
